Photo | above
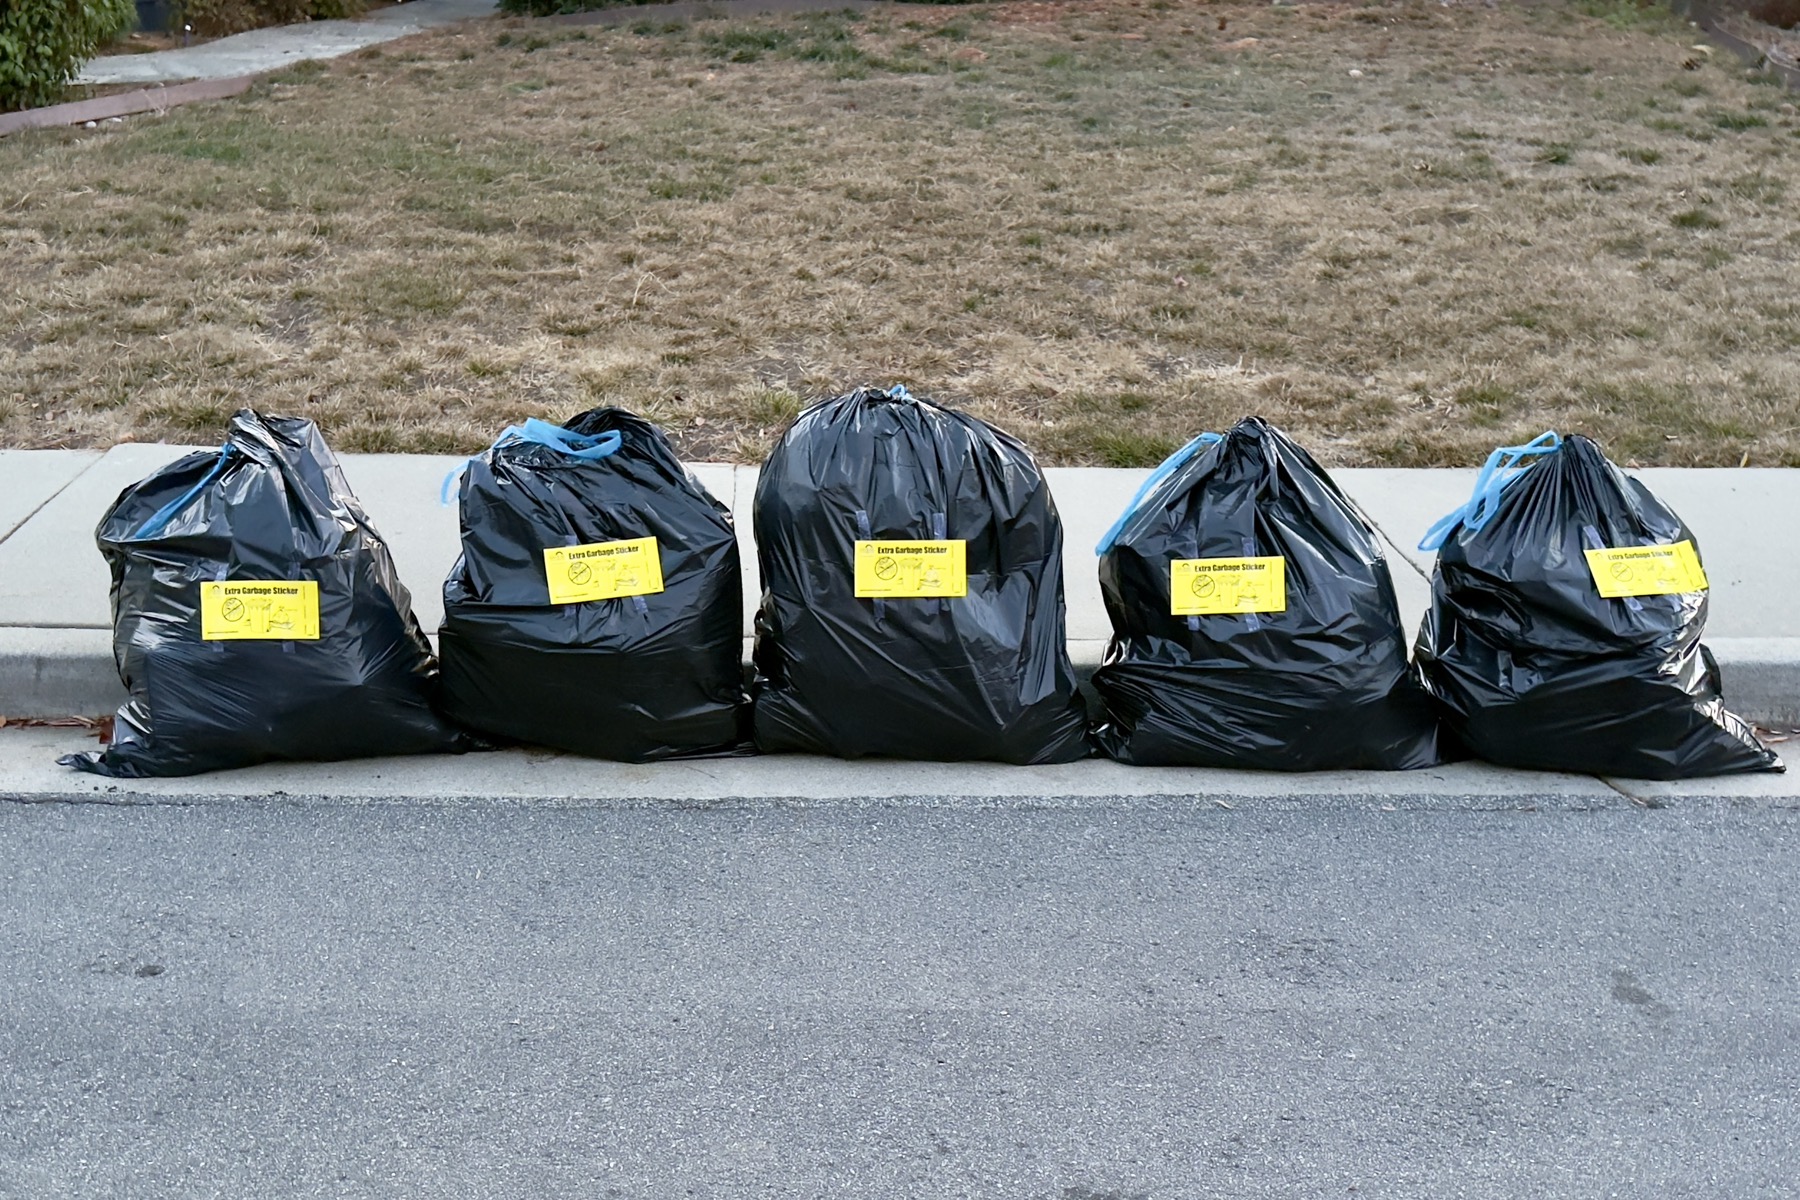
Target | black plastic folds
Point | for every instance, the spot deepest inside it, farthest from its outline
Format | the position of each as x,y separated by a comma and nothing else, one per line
257,616
1534,667
980,675
1317,679
632,673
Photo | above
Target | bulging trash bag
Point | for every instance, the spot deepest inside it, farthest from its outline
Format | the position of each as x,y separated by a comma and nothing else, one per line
1564,633
1254,620
257,615
912,590
597,606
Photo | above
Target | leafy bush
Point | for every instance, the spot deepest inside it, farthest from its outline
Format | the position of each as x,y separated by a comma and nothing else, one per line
44,42
216,18
552,8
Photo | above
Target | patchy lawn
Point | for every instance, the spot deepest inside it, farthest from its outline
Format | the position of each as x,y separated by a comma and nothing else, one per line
1404,232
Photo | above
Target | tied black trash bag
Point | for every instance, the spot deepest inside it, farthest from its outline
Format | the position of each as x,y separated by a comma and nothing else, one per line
955,649
257,616
597,606
1254,620
1555,640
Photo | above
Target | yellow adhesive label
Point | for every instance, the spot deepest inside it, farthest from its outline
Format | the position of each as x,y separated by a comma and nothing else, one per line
603,571
898,570
1200,587
261,610
1647,571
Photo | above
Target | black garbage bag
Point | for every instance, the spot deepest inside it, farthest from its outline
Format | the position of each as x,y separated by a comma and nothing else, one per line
1564,633
597,606
257,616
1254,620
912,590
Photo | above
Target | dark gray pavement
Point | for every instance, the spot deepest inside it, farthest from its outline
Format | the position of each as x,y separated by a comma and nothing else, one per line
279,999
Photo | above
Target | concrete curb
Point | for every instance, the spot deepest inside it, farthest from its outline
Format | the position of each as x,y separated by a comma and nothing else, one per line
58,673
1762,678
547,779
70,672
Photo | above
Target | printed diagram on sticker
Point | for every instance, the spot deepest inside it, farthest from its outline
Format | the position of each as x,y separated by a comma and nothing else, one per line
603,570
922,576
901,570
1626,571
259,610
1222,586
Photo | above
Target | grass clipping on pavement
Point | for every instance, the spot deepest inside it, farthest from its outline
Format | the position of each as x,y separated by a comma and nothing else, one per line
1405,233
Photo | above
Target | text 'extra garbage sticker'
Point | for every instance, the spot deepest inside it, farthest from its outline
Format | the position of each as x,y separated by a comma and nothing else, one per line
903,570
603,571
265,610
1647,570
1203,587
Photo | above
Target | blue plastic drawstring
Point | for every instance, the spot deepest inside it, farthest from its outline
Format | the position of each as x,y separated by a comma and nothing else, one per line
898,392
1168,467
1503,466
588,446
166,513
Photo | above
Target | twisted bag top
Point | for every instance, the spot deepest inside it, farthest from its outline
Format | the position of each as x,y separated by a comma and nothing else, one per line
257,615
609,474
598,603
1567,608
955,649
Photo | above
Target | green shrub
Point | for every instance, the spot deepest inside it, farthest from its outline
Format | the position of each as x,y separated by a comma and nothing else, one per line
44,42
551,8
217,18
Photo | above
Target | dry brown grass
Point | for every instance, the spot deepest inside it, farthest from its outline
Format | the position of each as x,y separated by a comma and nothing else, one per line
1104,226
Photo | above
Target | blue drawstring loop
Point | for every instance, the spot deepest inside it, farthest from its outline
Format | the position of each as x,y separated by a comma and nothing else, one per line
167,512
1162,472
587,446
1502,467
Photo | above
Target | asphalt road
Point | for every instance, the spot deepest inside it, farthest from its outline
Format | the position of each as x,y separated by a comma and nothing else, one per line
893,1001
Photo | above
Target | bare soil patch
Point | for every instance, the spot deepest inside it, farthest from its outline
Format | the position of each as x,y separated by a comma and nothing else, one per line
1405,232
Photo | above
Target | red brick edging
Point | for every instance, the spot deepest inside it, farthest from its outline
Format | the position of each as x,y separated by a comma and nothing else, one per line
154,99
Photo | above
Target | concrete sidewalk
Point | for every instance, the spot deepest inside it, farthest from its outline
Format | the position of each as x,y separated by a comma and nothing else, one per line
270,49
55,641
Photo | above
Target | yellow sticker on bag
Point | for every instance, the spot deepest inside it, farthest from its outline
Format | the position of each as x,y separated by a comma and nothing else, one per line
260,610
1647,570
902,570
603,570
1203,587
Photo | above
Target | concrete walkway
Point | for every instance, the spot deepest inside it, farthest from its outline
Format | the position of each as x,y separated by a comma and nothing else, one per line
270,49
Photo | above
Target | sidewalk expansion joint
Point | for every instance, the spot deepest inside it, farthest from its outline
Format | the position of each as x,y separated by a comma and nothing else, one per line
63,487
